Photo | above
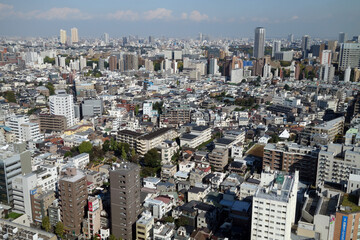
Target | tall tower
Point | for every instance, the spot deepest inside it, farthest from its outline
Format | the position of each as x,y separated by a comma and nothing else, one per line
124,199
62,36
63,104
106,38
276,47
113,63
305,45
74,35
291,38
259,44
73,197
342,37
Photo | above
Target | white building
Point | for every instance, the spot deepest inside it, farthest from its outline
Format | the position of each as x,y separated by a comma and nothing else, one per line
80,161
274,206
148,109
213,66
63,104
21,187
197,136
31,132
168,149
15,123
47,177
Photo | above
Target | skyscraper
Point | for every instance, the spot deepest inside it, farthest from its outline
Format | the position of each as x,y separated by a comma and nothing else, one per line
342,37
349,55
63,104
113,63
276,47
259,44
291,37
62,36
106,38
74,35
73,198
305,45
125,199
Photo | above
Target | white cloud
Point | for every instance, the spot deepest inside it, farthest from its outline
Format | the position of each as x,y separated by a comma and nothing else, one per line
160,13
184,16
124,15
198,17
62,14
294,17
5,7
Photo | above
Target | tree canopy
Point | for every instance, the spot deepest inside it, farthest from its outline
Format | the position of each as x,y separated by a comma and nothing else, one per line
152,158
85,147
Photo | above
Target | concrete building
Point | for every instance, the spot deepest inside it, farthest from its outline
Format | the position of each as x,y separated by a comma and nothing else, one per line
52,122
94,215
305,45
113,65
154,139
176,115
22,185
62,36
163,231
276,47
218,159
336,162
125,199
331,128
80,161
40,203
284,56
12,164
144,226
131,62
74,35
259,43
289,157
197,136
349,56
342,37
168,149
91,108
274,206
129,137
73,199
15,123
63,104
213,66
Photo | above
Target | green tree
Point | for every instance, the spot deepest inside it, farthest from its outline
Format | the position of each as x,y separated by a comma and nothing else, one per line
59,229
106,146
51,88
181,221
287,87
123,153
68,154
45,224
85,147
48,59
136,109
112,237
10,96
152,158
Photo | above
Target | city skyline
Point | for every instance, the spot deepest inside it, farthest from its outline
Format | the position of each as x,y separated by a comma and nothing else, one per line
161,18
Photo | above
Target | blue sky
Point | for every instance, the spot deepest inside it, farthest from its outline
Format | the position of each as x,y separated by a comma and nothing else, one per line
185,18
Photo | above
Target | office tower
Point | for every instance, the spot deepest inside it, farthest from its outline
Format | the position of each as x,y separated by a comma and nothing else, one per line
276,47
326,57
12,164
131,62
213,67
342,37
22,185
106,38
124,199
151,39
349,55
291,38
259,44
73,199
274,206
113,63
305,45
316,50
347,74
331,45
74,35
62,36
63,105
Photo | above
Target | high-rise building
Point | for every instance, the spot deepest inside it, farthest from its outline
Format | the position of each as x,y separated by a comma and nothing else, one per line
326,57
131,62
259,44
125,199
331,45
74,35
347,74
63,104
213,67
52,122
276,47
113,63
274,206
151,39
342,37
62,36
106,38
291,37
305,45
73,199
349,55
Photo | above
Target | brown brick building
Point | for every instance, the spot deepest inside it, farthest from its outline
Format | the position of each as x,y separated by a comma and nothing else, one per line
125,199
73,199
52,122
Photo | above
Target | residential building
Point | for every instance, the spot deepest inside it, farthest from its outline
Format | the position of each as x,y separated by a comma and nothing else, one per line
218,159
154,139
129,137
92,108
22,185
63,104
144,226
176,115
197,136
94,215
73,199
52,122
125,199
259,42
163,231
62,36
74,35
274,206
40,203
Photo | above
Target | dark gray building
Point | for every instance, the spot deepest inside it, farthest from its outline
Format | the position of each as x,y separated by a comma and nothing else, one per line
125,199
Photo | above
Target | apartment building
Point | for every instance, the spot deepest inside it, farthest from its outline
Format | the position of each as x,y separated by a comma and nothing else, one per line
196,137
125,199
130,137
40,203
289,157
218,159
336,162
154,139
274,206
52,122
176,115
73,199
331,128
144,226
